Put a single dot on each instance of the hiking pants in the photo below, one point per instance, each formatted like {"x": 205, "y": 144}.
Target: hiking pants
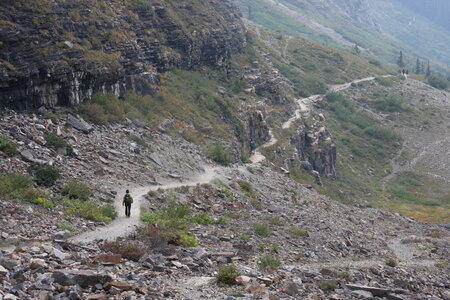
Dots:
{"x": 127, "y": 209}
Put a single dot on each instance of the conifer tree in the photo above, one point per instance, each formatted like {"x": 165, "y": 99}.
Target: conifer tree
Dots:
{"x": 428, "y": 70}
{"x": 418, "y": 66}
{"x": 400, "y": 61}
{"x": 422, "y": 68}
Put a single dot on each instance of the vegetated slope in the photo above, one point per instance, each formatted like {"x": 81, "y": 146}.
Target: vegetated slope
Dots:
{"x": 61, "y": 52}
{"x": 416, "y": 183}
{"x": 382, "y": 28}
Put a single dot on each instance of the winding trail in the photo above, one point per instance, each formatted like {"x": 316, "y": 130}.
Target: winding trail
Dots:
{"x": 123, "y": 226}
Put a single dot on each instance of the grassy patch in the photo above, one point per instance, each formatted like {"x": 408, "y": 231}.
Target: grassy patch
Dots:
{"x": 175, "y": 219}
{"x": 261, "y": 229}
{"x": 269, "y": 263}
{"x": 227, "y": 275}
{"x": 56, "y": 142}
{"x": 219, "y": 154}
{"x": 76, "y": 189}
{"x": 90, "y": 210}
{"x": 126, "y": 249}
{"x": 7, "y": 147}
{"x": 246, "y": 188}
{"x": 296, "y": 232}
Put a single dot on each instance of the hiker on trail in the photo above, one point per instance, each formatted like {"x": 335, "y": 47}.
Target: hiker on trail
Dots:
{"x": 252, "y": 147}
{"x": 127, "y": 200}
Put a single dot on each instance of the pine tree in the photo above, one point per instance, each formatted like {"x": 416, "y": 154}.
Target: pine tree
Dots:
{"x": 418, "y": 66}
{"x": 422, "y": 69}
{"x": 400, "y": 61}
{"x": 428, "y": 70}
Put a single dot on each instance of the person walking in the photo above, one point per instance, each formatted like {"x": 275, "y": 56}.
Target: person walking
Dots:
{"x": 127, "y": 201}
{"x": 252, "y": 147}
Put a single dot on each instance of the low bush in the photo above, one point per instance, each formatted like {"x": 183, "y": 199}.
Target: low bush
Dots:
{"x": 391, "y": 262}
{"x": 88, "y": 210}
{"x": 391, "y": 103}
{"x": 45, "y": 175}
{"x": 261, "y": 229}
{"x": 56, "y": 142}
{"x": 382, "y": 133}
{"x": 385, "y": 81}
{"x": 174, "y": 220}
{"x": 227, "y": 275}
{"x": 219, "y": 154}
{"x": 327, "y": 285}
{"x": 128, "y": 250}
{"x": 269, "y": 263}
{"x": 7, "y": 147}
{"x": 75, "y": 189}
{"x": 438, "y": 82}
{"x": 103, "y": 108}
{"x": 246, "y": 188}
{"x": 296, "y": 232}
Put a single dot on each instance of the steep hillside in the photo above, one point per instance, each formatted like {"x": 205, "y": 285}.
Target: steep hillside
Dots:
{"x": 381, "y": 28}
{"x": 61, "y": 52}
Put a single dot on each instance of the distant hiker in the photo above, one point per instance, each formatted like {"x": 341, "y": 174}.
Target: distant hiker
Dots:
{"x": 252, "y": 147}
{"x": 127, "y": 200}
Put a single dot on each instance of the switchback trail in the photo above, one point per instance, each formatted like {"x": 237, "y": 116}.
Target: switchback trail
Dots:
{"x": 122, "y": 225}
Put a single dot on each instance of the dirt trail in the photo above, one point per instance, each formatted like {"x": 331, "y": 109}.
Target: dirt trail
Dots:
{"x": 123, "y": 225}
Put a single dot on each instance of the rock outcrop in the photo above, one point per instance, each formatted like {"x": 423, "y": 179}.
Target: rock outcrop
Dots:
{"x": 61, "y": 52}
{"x": 316, "y": 147}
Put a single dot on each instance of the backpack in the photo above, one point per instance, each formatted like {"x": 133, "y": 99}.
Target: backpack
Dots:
{"x": 128, "y": 199}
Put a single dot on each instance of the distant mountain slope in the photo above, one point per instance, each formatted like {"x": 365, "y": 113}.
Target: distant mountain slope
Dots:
{"x": 437, "y": 11}
{"x": 382, "y": 27}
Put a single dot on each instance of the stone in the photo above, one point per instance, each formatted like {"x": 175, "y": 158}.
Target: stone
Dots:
{"x": 257, "y": 290}
{"x": 306, "y": 165}
{"x": 84, "y": 278}
{"x": 221, "y": 90}
{"x": 3, "y": 271}
{"x": 42, "y": 110}
{"x": 155, "y": 158}
{"x": 243, "y": 280}
{"x": 59, "y": 254}
{"x": 27, "y": 155}
{"x": 96, "y": 297}
{"x": 291, "y": 288}
{"x": 379, "y": 292}
{"x": 109, "y": 258}
{"x": 362, "y": 294}
{"x": 122, "y": 286}
{"x": 78, "y": 123}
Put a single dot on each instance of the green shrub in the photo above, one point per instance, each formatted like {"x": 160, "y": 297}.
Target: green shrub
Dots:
{"x": 246, "y": 188}
{"x": 327, "y": 285}
{"x": 66, "y": 226}
{"x": 128, "y": 250}
{"x": 276, "y": 220}
{"x": 45, "y": 175}
{"x": 75, "y": 189}
{"x": 391, "y": 262}
{"x": 109, "y": 211}
{"x": 43, "y": 202}
{"x": 203, "y": 218}
{"x": 385, "y": 81}
{"x": 392, "y": 103}
{"x": 103, "y": 108}
{"x": 382, "y": 133}
{"x": 56, "y": 142}
{"x": 261, "y": 229}
{"x": 438, "y": 82}
{"x": 14, "y": 182}
{"x": 174, "y": 221}
{"x": 227, "y": 275}
{"x": 7, "y": 147}
{"x": 219, "y": 154}
{"x": 269, "y": 263}
{"x": 296, "y": 232}
{"x": 88, "y": 210}
{"x": 374, "y": 62}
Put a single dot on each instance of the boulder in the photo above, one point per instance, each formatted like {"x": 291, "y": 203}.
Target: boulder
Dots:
{"x": 84, "y": 278}
{"x": 78, "y": 123}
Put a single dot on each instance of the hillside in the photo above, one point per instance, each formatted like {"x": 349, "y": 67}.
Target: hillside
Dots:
{"x": 345, "y": 196}
{"x": 380, "y": 28}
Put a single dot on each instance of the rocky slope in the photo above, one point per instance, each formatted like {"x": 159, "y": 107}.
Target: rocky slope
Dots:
{"x": 60, "y": 53}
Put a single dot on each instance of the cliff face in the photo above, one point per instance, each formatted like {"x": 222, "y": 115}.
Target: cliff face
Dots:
{"x": 61, "y": 52}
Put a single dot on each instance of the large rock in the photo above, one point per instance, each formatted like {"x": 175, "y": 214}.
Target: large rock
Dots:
{"x": 84, "y": 278}
{"x": 78, "y": 123}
